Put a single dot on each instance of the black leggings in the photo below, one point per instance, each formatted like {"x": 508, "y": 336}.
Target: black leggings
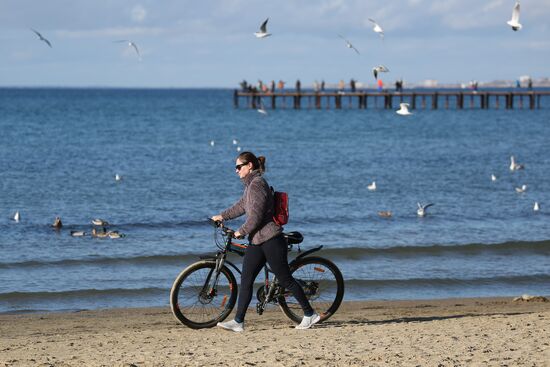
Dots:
{"x": 274, "y": 251}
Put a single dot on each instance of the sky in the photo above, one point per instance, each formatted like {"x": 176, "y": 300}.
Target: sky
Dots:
{"x": 190, "y": 43}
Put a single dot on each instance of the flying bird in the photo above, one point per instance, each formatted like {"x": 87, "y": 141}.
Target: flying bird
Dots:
{"x": 421, "y": 211}
{"x": 372, "y": 186}
{"x": 379, "y": 69}
{"x": 349, "y": 45}
{"x": 403, "y": 109}
{"x": 376, "y": 28}
{"x": 131, "y": 44}
{"x": 515, "y": 166}
{"x": 514, "y": 22}
{"x": 263, "y": 30}
{"x": 41, "y": 38}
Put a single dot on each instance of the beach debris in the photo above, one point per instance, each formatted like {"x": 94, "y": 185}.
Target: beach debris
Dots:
{"x": 376, "y": 28}
{"x": 522, "y": 189}
{"x": 17, "y": 217}
{"x": 536, "y": 207}
{"x": 41, "y": 38}
{"x": 493, "y": 177}
{"x": 262, "y": 33}
{"x": 515, "y": 166}
{"x": 372, "y": 186}
{"x": 514, "y": 22}
{"x": 57, "y": 224}
{"x": 131, "y": 44}
{"x": 385, "y": 213}
{"x": 100, "y": 222}
{"x": 379, "y": 69}
{"x": 78, "y": 233}
{"x": 421, "y": 211}
{"x": 529, "y": 298}
{"x": 349, "y": 45}
{"x": 403, "y": 109}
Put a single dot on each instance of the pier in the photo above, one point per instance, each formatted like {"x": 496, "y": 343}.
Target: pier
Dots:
{"x": 371, "y": 99}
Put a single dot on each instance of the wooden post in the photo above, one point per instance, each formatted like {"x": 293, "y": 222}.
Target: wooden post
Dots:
{"x": 434, "y": 100}
{"x": 317, "y": 101}
{"x": 413, "y": 97}
{"x": 236, "y": 99}
{"x": 460, "y": 101}
{"x": 273, "y": 101}
{"x": 338, "y": 101}
{"x": 532, "y": 101}
{"x": 253, "y": 100}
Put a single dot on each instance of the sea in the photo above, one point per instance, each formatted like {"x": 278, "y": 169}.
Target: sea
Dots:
{"x": 175, "y": 152}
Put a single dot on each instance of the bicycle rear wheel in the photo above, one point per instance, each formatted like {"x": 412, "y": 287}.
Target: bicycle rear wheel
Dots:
{"x": 323, "y": 285}
{"x": 198, "y": 300}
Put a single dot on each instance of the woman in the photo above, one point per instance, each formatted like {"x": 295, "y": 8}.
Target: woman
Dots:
{"x": 266, "y": 241}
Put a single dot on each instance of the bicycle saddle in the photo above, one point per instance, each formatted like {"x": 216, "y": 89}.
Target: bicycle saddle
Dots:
{"x": 293, "y": 238}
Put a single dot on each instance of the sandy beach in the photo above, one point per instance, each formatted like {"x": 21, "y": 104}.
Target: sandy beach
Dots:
{"x": 452, "y": 332}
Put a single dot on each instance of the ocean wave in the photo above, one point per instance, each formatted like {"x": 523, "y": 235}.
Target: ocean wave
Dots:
{"x": 350, "y": 253}
{"x": 79, "y": 294}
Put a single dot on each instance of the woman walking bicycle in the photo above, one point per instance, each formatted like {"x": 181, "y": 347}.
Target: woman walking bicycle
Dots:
{"x": 267, "y": 243}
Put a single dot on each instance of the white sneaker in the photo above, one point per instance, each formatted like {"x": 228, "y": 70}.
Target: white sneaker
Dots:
{"x": 232, "y": 325}
{"x": 309, "y": 321}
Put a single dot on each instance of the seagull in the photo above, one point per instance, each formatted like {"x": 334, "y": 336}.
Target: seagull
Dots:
{"x": 212, "y": 143}
{"x": 385, "y": 213}
{"x": 235, "y": 142}
{"x": 349, "y": 45}
{"x": 100, "y": 222}
{"x": 521, "y": 190}
{"x": 131, "y": 44}
{"x": 536, "y": 207}
{"x": 421, "y": 211}
{"x": 515, "y": 166}
{"x": 372, "y": 186}
{"x": 41, "y": 38}
{"x": 493, "y": 177}
{"x": 379, "y": 69}
{"x": 238, "y": 149}
{"x": 377, "y": 28}
{"x": 118, "y": 177}
{"x": 262, "y": 109}
{"x": 263, "y": 30}
{"x": 403, "y": 109}
{"x": 57, "y": 223}
{"x": 17, "y": 217}
{"x": 514, "y": 22}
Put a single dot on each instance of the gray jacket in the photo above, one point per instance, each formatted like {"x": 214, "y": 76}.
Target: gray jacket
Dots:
{"x": 257, "y": 204}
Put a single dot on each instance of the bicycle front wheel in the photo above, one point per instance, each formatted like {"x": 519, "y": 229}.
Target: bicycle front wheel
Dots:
{"x": 322, "y": 283}
{"x": 200, "y": 298}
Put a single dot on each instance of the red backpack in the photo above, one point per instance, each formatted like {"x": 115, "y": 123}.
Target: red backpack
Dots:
{"x": 280, "y": 207}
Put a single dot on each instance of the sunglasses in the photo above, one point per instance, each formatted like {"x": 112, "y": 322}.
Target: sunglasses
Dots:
{"x": 239, "y": 166}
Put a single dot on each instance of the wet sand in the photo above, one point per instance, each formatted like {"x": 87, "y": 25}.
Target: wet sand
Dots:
{"x": 452, "y": 332}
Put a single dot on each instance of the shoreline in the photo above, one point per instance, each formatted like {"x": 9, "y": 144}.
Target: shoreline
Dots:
{"x": 455, "y": 331}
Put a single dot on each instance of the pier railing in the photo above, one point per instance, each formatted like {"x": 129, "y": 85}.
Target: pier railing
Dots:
{"x": 369, "y": 99}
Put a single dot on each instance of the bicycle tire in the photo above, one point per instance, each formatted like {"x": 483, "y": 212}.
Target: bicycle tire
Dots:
{"x": 196, "y": 309}
{"x": 323, "y": 284}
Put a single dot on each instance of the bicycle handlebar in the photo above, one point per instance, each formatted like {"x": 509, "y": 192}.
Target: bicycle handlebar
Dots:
{"x": 226, "y": 230}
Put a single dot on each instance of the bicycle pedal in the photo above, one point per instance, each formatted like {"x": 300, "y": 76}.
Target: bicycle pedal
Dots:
{"x": 259, "y": 308}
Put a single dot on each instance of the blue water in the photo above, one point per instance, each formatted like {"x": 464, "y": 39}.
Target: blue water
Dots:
{"x": 61, "y": 148}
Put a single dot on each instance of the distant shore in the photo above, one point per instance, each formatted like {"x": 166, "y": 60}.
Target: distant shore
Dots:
{"x": 461, "y": 331}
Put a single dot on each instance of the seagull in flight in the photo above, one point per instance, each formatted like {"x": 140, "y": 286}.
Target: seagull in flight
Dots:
{"x": 41, "y": 38}
{"x": 514, "y": 166}
{"x": 404, "y": 109}
{"x": 349, "y": 45}
{"x": 379, "y": 69}
{"x": 421, "y": 211}
{"x": 377, "y": 28}
{"x": 263, "y": 30}
{"x": 514, "y": 22}
{"x": 131, "y": 44}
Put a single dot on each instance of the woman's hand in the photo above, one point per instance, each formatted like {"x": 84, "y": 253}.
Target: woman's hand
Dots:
{"x": 238, "y": 235}
{"x": 217, "y": 218}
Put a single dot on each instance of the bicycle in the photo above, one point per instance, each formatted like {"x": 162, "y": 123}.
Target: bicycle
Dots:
{"x": 205, "y": 292}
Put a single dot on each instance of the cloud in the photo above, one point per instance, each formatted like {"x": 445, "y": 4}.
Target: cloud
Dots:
{"x": 138, "y": 13}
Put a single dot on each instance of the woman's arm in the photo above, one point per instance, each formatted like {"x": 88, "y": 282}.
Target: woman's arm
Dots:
{"x": 236, "y": 210}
